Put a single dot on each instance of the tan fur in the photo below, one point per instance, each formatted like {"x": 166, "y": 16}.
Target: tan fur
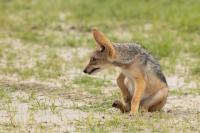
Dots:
{"x": 145, "y": 87}
{"x": 124, "y": 90}
{"x": 138, "y": 82}
{"x": 102, "y": 40}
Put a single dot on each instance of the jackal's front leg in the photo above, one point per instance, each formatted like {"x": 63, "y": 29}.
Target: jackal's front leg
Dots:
{"x": 140, "y": 86}
{"x": 125, "y": 94}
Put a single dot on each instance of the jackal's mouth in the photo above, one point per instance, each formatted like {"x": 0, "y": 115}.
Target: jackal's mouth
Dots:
{"x": 93, "y": 70}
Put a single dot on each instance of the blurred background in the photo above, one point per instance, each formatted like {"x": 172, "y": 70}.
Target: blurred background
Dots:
{"x": 45, "y": 44}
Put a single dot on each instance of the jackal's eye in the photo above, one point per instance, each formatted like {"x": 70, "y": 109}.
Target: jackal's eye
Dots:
{"x": 102, "y": 49}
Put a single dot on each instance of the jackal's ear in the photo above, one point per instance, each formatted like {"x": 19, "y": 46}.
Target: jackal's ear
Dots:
{"x": 104, "y": 42}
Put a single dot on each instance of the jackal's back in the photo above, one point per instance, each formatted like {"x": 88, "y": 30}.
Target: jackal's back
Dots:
{"x": 129, "y": 53}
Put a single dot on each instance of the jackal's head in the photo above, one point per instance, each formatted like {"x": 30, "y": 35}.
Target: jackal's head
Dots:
{"x": 103, "y": 55}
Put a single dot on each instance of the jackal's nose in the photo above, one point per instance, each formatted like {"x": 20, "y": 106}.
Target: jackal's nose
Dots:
{"x": 85, "y": 71}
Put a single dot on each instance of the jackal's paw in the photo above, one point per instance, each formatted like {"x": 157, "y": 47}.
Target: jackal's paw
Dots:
{"x": 133, "y": 113}
{"x": 116, "y": 104}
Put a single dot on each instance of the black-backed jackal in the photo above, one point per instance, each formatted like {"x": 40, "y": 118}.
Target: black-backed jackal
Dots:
{"x": 141, "y": 80}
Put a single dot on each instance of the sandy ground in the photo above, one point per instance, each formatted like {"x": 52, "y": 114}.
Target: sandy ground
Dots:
{"x": 28, "y": 112}
{"x": 19, "y": 112}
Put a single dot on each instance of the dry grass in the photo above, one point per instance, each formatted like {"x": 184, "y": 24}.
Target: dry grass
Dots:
{"x": 43, "y": 89}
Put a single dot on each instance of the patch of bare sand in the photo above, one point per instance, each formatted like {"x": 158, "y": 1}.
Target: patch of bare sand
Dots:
{"x": 176, "y": 82}
{"x": 69, "y": 53}
{"x": 184, "y": 109}
{"x": 13, "y": 42}
{"x": 22, "y": 114}
{"x": 183, "y": 105}
{"x": 71, "y": 114}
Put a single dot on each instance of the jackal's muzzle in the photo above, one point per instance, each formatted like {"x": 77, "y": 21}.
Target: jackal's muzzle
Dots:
{"x": 90, "y": 70}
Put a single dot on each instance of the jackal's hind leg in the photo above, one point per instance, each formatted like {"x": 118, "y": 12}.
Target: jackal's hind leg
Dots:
{"x": 156, "y": 101}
